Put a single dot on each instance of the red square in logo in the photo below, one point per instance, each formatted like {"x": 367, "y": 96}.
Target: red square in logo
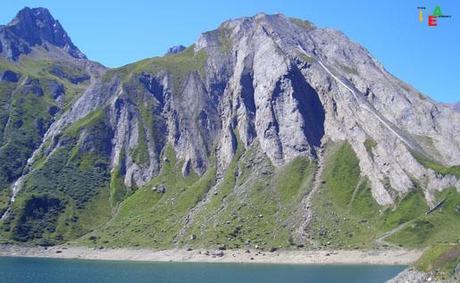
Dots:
{"x": 432, "y": 21}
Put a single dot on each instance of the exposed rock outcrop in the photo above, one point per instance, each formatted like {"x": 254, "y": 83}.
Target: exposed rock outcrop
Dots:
{"x": 287, "y": 85}
{"x": 215, "y": 124}
{"x": 31, "y": 28}
{"x": 175, "y": 49}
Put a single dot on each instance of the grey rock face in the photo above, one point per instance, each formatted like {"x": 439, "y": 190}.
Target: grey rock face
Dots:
{"x": 414, "y": 276}
{"x": 391, "y": 113}
{"x": 175, "y": 49}
{"x": 309, "y": 85}
{"x": 456, "y": 106}
{"x": 409, "y": 275}
{"x": 282, "y": 85}
{"x": 57, "y": 89}
{"x": 34, "y": 27}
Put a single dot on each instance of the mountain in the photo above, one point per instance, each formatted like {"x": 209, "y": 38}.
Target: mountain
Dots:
{"x": 453, "y": 106}
{"x": 32, "y": 29}
{"x": 456, "y": 106}
{"x": 265, "y": 124}
{"x": 41, "y": 75}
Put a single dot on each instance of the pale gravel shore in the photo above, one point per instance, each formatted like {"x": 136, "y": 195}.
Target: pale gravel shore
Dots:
{"x": 387, "y": 257}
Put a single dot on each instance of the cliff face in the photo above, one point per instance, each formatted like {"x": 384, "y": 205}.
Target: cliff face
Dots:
{"x": 33, "y": 28}
{"x": 234, "y": 129}
{"x": 290, "y": 87}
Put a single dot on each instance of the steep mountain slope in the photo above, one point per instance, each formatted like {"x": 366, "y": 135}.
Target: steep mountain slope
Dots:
{"x": 267, "y": 132}
{"x": 41, "y": 74}
{"x": 32, "y": 28}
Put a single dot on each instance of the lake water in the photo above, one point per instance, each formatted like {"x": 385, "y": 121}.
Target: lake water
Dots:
{"x": 62, "y": 270}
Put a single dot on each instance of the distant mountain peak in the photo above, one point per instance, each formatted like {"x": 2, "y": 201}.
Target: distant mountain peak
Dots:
{"x": 175, "y": 49}
{"x": 27, "y": 14}
{"x": 32, "y": 27}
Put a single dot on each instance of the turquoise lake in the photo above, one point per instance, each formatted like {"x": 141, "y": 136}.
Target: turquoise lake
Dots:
{"x": 16, "y": 269}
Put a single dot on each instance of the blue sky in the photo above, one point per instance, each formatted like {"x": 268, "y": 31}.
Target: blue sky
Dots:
{"x": 120, "y": 32}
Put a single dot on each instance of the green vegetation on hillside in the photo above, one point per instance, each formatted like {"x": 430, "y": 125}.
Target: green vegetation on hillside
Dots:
{"x": 73, "y": 78}
{"x": 435, "y": 166}
{"x": 39, "y": 215}
{"x": 302, "y": 23}
{"x": 4, "y": 199}
{"x": 347, "y": 215}
{"x": 439, "y": 227}
{"x": 89, "y": 120}
{"x": 245, "y": 209}
{"x": 225, "y": 39}
{"x": 73, "y": 74}
{"x": 369, "y": 144}
{"x": 141, "y": 154}
{"x": 209, "y": 210}
{"x": 304, "y": 57}
{"x": 441, "y": 260}
{"x": 118, "y": 189}
{"x": 69, "y": 191}
{"x": 409, "y": 207}
{"x": 27, "y": 108}
{"x": 25, "y": 117}
{"x": 249, "y": 206}
{"x": 344, "y": 209}
{"x": 152, "y": 218}
{"x": 179, "y": 66}
{"x": 349, "y": 70}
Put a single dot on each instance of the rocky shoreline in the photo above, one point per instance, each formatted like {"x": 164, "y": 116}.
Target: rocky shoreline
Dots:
{"x": 386, "y": 257}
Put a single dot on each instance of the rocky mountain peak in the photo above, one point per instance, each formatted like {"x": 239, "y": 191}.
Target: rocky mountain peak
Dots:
{"x": 175, "y": 49}
{"x": 35, "y": 27}
{"x": 330, "y": 89}
{"x": 456, "y": 106}
{"x": 31, "y": 16}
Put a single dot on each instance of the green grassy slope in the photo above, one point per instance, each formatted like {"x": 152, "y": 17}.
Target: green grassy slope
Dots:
{"x": 67, "y": 195}
{"x": 150, "y": 218}
{"x": 247, "y": 210}
{"x": 347, "y": 216}
{"x": 27, "y": 108}
{"x": 178, "y": 66}
{"x": 253, "y": 209}
{"x": 344, "y": 209}
{"x": 435, "y": 166}
{"x": 441, "y": 260}
{"x": 440, "y": 227}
